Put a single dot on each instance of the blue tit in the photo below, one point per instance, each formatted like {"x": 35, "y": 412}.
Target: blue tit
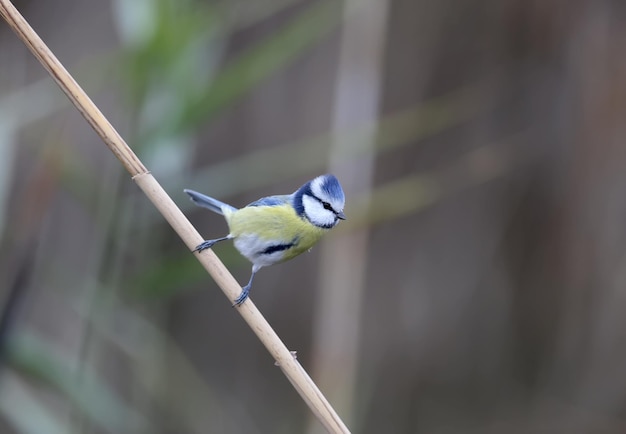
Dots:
{"x": 275, "y": 229}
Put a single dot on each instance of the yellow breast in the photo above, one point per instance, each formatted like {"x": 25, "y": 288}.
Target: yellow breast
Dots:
{"x": 278, "y": 224}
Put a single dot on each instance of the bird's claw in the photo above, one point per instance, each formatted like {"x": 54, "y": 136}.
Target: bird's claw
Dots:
{"x": 243, "y": 296}
{"x": 204, "y": 245}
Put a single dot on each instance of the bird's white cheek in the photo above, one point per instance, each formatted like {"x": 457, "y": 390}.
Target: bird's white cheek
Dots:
{"x": 316, "y": 213}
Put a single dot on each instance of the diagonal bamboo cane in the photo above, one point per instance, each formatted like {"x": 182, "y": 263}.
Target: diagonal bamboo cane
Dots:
{"x": 190, "y": 236}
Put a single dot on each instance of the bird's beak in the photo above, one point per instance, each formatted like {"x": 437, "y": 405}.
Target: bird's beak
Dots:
{"x": 341, "y": 215}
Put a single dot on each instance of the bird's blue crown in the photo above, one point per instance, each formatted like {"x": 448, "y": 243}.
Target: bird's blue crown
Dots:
{"x": 324, "y": 189}
{"x": 329, "y": 184}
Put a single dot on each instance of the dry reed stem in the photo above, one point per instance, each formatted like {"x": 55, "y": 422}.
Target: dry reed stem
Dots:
{"x": 343, "y": 267}
{"x": 148, "y": 184}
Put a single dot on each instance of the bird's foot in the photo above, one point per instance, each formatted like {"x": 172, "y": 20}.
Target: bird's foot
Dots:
{"x": 243, "y": 296}
{"x": 204, "y": 245}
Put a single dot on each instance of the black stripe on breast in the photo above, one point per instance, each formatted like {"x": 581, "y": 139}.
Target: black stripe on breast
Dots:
{"x": 279, "y": 247}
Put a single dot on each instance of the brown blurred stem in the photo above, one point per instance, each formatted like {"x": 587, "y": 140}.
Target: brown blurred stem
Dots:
{"x": 290, "y": 366}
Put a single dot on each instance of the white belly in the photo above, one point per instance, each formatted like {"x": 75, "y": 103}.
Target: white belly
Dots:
{"x": 251, "y": 247}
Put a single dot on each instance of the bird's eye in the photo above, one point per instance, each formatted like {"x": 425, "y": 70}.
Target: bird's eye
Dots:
{"x": 327, "y": 206}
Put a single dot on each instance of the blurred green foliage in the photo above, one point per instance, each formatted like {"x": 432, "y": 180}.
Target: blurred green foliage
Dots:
{"x": 179, "y": 66}
{"x": 174, "y": 79}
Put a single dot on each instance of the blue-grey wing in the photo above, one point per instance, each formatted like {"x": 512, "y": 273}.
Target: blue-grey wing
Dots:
{"x": 272, "y": 200}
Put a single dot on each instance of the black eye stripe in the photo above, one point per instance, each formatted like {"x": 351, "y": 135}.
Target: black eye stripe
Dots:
{"x": 324, "y": 204}
{"x": 316, "y": 198}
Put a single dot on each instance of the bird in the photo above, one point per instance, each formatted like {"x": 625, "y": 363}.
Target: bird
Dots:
{"x": 277, "y": 228}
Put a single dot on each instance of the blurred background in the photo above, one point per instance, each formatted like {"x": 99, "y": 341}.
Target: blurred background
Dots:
{"x": 478, "y": 285}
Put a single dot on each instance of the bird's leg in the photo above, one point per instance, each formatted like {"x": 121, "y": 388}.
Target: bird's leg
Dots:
{"x": 209, "y": 243}
{"x": 246, "y": 289}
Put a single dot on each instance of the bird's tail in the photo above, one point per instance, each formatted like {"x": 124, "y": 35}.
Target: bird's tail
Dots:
{"x": 209, "y": 203}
